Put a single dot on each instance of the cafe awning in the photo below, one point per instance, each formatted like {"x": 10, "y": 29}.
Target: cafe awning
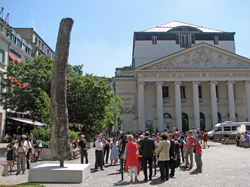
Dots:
{"x": 27, "y": 121}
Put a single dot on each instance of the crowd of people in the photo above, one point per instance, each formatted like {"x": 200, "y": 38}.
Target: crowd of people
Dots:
{"x": 170, "y": 149}
{"x": 19, "y": 150}
{"x": 242, "y": 137}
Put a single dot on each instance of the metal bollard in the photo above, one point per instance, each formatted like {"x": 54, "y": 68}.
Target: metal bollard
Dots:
{"x": 154, "y": 157}
{"x": 121, "y": 166}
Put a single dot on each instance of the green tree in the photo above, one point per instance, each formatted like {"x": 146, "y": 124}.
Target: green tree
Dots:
{"x": 26, "y": 82}
{"x": 89, "y": 98}
{"x": 112, "y": 112}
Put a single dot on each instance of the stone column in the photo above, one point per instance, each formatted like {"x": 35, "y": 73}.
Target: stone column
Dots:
{"x": 141, "y": 106}
{"x": 213, "y": 102}
{"x": 178, "y": 105}
{"x": 6, "y": 58}
{"x": 247, "y": 88}
{"x": 196, "y": 104}
{"x": 231, "y": 100}
{"x": 159, "y": 106}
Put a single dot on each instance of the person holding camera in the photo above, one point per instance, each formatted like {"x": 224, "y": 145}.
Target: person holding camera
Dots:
{"x": 99, "y": 152}
{"x": 22, "y": 151}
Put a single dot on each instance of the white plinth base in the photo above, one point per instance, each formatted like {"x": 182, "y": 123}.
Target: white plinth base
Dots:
{"x": 70, "y": 173}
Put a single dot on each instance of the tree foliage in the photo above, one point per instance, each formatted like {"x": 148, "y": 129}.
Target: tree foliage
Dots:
{"x": 26, "y": 82}
{"x": 89, "y": 98}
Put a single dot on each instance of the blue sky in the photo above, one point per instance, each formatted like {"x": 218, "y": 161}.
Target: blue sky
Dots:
{"x": 102, "y": 35}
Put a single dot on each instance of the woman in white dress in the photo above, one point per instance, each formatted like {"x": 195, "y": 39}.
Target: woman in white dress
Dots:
{"x": 114, "y": 156}
{"x": 157, "y": 143}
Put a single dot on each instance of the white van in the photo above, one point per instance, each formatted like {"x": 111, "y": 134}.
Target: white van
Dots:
{"x": 228, "y": 127}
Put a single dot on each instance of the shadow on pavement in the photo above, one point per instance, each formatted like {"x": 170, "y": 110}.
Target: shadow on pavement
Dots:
{"x": 194, "y": 172}
{"x": 122, "y": 183}
{"x": 114, "y": 173}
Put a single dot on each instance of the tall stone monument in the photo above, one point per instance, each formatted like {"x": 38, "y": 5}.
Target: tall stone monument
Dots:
{"x": 60, "y": 138}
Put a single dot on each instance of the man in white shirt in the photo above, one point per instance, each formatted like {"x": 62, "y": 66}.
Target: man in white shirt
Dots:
{"x": 99, "y": 152}
{"x": 22, "y": 150}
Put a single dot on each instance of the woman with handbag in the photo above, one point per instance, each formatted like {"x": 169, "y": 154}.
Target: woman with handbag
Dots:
{"x": 10, "y": 154}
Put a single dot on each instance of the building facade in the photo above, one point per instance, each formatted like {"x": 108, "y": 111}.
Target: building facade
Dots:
{"x": 183, "y": 76}
{"x": 39, "y": 46}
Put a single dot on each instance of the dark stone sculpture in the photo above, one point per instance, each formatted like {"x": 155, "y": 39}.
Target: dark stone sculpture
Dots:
{"x": 60, "y": 138}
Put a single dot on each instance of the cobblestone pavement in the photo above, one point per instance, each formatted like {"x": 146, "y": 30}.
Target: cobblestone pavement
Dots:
{"x": 223, "y": 165}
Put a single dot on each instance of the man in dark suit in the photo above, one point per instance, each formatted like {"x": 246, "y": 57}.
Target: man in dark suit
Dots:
{"x": 147, "y": 149}
{"x": 172, "y": 155}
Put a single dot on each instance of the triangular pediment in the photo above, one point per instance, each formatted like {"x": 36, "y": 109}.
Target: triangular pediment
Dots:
{"x": 201, "y": 56}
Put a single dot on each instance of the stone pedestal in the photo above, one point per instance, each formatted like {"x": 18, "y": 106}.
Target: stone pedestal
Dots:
{"x": 52, "y": 173}
{"x": 3, "y": 170}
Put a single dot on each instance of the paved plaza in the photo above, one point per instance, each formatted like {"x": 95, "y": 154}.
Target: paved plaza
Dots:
{"x": 223, "y": 165}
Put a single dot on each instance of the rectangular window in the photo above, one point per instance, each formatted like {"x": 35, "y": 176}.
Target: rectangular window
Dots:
{"x": 18, "y": 43}
{"x": 165, "y": 92}
{"x": 1, "y": 55}
{"x": 193, "y": 38}
{"x": 177, "y": 39}
{"x": 216, "y": 40}
{"x": 24, "y": 47}
{"x": 12, "y": 37}
{"x": 42, "y": 46}
{"x": 39, "y": 44}
{"x": 184, "y": 40}
{"x": 234, "y": 128}
{"x": 217, "y": 93}
{"x": 200, "y": 92}
{"x": 154, "y": 40}
{"x": 47, "y": 51}
{"x": 227, "y": 128}
{"x": 219, "y": 129}
{"x": 183, "y": 92}
{"x": 29, "y": 51}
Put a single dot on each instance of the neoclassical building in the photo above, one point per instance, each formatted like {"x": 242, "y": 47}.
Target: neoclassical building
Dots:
{"x": 183, "y": 75}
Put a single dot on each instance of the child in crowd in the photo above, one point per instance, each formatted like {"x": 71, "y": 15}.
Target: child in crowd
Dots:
{"x": 198, "y": 159}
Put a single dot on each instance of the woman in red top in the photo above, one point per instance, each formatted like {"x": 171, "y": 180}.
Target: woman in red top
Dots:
{"x": 198, "y": 155}
{"x": 132, "y": 160}
{"x": 205, "y": 134}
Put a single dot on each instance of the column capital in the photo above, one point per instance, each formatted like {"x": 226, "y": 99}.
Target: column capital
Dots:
{"x": 159, "y": 82}
{"x": 141, "y": 82}
{"x": 230, "y": 82}
{"x": 212, "y": 82}
{"x": 195, "y": 82}
{"x": 177, "y": 82}
{"x": 247, "y": 82}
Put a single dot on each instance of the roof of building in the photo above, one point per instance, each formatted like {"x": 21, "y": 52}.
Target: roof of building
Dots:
{"x": 167, "y": 26}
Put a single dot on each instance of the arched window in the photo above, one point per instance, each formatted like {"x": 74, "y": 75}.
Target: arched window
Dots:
{"x": 167, "y": 115}
{"x": 219, "y": 118}
{"x": 202, "y": 121}
{"x": 185, "y": 123}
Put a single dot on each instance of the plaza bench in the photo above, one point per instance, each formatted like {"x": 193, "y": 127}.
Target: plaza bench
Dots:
{"x": 230, "y": 142}
{"x": 4, "y": 169}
